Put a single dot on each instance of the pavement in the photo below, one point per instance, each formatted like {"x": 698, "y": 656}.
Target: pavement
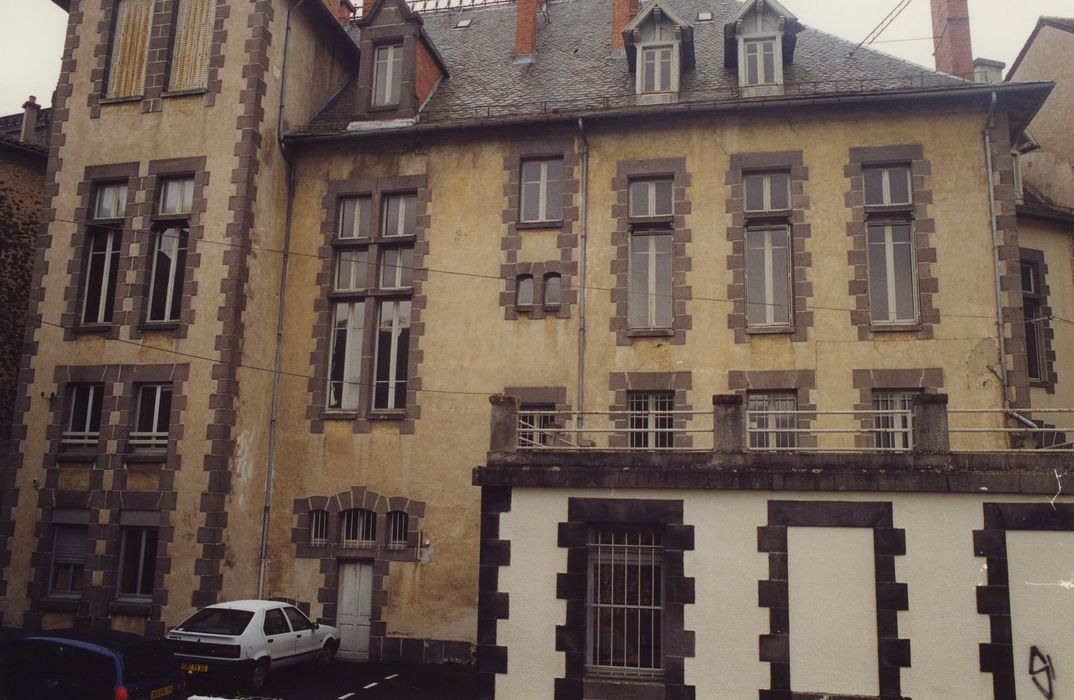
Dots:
{"x": 355, "y": 680}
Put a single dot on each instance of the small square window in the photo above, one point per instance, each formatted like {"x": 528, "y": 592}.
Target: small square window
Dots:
{"x": 651, "y": 198}
{"x": 770, "y": 191}
{"x": 358, "y": 528}
{"x": 887, "y": 185}
{"x": 177, "y": 196}
{"x": 111, "y": 201}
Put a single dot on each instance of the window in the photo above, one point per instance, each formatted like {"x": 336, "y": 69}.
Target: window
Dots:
{"x": 383, "y": 289}
{"x": 535, "y": 424}
{"x": 890, "y": 244}
{"x": 387, "y": 74}
{"x": 772, "y": 420}
{"x": 553, "y": 290}
{"x": 83, "y": 426}
{"x": 190, "y": 48}
{"x": 130, "y": 46}
{"x": 651, "y": 419}
{"x": 768, "y": 276}
{"x": 318, "y": 528}
{"x": 1033, "y": 308}
{"x": 625, "y": 604}
{"x": 275, "y": 623}
{"x": 893, "y": 422}
{"x": 358, "y": 528}
{"x": 152, "y": 417}
{"x": 68, "y": 559}
{"x": 650, "y": 198}
{"x": 761, "y": 65}
{"x": 397, "y": 528}
{"x": 650, "y": 267}
{"x": 524, "y": 290}
{"x": 137, "y": 561}
{"x": 657, "y": 69}
{"x": 542, "y": 190}
{"x": 102, "y": 262}
{"x": 765, "y": 192}
{"x": 168, "y": 258}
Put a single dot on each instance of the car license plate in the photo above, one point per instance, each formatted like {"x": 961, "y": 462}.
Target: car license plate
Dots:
{"x": 192, "y": 668}
{"x": 160, "y": 692}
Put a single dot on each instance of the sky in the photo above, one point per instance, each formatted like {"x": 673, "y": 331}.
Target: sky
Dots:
{"x": 32, "y": 33}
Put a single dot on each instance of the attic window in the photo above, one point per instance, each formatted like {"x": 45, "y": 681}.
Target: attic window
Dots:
{"x": 760, "y": 62}
{"x": 387, "y": 74}
{"x": 464, "y": 23}
{"x": 704, "y": 16}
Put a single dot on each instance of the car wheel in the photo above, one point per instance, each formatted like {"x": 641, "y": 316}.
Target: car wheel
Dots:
{"x": 259, "y": 675}
{"x": 327, "y": 655}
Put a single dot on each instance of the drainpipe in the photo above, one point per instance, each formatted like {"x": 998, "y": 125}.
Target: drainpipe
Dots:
{"x": 280, "y": 309}
{"x": 1000, "y": 324}
{"x": 579, "y": 420}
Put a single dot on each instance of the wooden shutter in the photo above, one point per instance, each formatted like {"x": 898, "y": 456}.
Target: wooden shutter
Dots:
{"x": 130, "y": 44}
{"x": 193, "y": 38}
{"x": 70, "y": 544}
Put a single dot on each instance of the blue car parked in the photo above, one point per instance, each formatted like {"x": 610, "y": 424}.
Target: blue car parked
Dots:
{"x": 90, "y": 665}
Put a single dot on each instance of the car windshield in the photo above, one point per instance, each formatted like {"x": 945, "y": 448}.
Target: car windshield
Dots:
{"x": 147, "y": 661}
{"x": 217, "y": 621}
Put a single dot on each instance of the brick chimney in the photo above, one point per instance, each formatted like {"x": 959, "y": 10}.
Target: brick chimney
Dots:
{"x": 367, "y": 7}
{"x": 342, "y": 9}
{"x": 525, "y": 29}
{"x": 622, "y": 12}
{"x": 951, "y": 38}
{"x": 30, "y": 108}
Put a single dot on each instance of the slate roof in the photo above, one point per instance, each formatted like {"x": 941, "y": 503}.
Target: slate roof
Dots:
{"x": 576, "y": 71}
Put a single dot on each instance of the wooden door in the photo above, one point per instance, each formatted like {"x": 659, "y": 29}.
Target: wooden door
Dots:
{"x": 355, "y": 608}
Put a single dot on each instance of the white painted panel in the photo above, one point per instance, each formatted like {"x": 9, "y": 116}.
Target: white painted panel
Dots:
{"x": 355, "y": 608}
{"x": 832, "y": 598}
{"x": 1040, "y": 568}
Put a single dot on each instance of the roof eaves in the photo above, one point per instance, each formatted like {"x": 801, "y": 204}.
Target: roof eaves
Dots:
{"x": 23, "y": 147}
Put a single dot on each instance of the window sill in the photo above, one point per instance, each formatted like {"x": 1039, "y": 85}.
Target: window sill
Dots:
{"x": 58, "y": 603}
{"x": 760, "y": 90}
{"x": 151, "y": 326}
{"x": 634, "y": 688}
{"x": 904, "y": 209}
{"x": 382, "y": 414}
{"x": 329, "y": 414}
{"x": 92, "y": 328}
{"x": 895, "y": 328}
{"x": 185, "y": 93}
{"x": 531, "y": 225}
{"x": 773, "y": 330}
{"x": 657, "y": 98}
{"x": 650, "y": 333}
{"x": 140, "y": 607}
{"x": 120, "y": 100}
{"x": 145, "y": 457}
{"x": 81, "y": 457}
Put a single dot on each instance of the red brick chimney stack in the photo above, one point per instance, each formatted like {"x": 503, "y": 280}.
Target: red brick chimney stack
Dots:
{"x": 951, "y": 37}
{"x": 525, "y": 28}
{"x": 30, "y": 108}
{"x": 367, "y": 7}
{"x": 622, "y": 12}
{"x": 342, "y": 9}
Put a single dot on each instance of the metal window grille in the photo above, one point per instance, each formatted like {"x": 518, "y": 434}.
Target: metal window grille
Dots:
{"x": 625, "y": 620}
{"x": 768, "y": 427}
{"x": 358, "y": 528}
{"x": 650, "y": 419}
{"x": 318, "y": 528}
{"x": 83, "y": 429}
{"x": 892, "y": 429}
{"x": 151, "y": 423}
{"x": 535, "y": 425}
{"x": 397, "y": 529}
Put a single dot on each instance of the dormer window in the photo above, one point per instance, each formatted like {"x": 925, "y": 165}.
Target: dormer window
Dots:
{"x": 657, "y": 70}
{"x": 761, "y": 66}
{"x": 659, "y": 46}
{"x": 758, "y": 40}
{"x": 387, "y": 75}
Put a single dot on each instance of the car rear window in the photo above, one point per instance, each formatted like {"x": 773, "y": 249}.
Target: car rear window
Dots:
{"x": 146, "y": 661}
{"x": 217, "y": 621}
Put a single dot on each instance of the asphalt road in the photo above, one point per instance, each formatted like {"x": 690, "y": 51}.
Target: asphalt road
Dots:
{"x": 349, "y": 680}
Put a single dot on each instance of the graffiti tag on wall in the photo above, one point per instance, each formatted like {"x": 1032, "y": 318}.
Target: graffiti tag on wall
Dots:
{"x": 1042, "y": 672}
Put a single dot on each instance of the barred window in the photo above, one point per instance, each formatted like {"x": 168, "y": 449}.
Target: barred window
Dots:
{"x": 535, "y": 423}
{"x": 892, "y": 427}
{"x": 358, "y": 528}
{"x": 318, "y": 528}
{"x": 625, "y": 620}
{"x": 397, "y": 529}
{"x": 768, "y": 426}
{"x": 651, "y": 420}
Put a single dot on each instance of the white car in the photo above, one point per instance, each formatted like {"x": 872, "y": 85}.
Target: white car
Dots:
{"x": 245, "y": 639}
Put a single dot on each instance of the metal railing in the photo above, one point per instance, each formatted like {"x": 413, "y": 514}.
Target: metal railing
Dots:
{"x": 876, "y": 431}
{"x": 75, "y": 440}
{"x": 148, "y": 441}
{"x": 1019, "y": 430}
{"x": 669, "y": 430}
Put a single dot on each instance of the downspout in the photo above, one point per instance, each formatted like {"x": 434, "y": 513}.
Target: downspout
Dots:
{"x": 1000, "y": 325}
{"x": 274, "y": 414}
{"x": 580, "y": 408}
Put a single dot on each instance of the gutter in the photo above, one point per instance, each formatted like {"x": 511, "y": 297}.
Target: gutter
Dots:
{"x": 583, "y": 240}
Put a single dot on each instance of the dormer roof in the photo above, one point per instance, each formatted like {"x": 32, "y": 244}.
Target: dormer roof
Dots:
{"x": 408, "y": 15}
{"x": 655, "y": 11}
{"x": 789, "y": 24}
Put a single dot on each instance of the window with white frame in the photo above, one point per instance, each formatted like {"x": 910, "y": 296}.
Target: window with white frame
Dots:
{"x": 152, "y": 418}
{"x": 102, "y": 257}
{"x": 761, "y": 62}
{"x": 1034, "y": 302}
{"x": 371, "y": 302}
{"x": 657, "y": 69}
{"x": 137, "y": 561}
{"x": 768, "y": 275}
{"x": 890, "y": 245}
{"x": 358, "y": 528}
{"x": 387, "y": 74}
{"x": 68, "y": 560}
{"x": 772, "y": 420}
{"x": 541, "y": 190}
{"x": 318, "y": 527}
{"x": 767, "y": 191}
{"x": 397, "y": 523}
{"x": 82, "y": 429}
{"x": 171, "y": 231}
{"x": 651, "y": 198}
{"x": 625, "y": 602}
{"x": 650, "y": 419}
{"x": 535, "y": 424}
{"x": 893, "y": 420}
{"x": 649, "y": 297}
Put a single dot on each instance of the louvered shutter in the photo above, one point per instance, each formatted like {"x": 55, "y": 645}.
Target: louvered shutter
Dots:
{"x": 130, "y": 44}
{"x": 70, "y": 544}
{"x": 193, "y": 38}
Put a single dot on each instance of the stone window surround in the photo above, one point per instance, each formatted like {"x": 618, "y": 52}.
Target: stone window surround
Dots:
{"x": 538, "y": 309}
{"x": 774, "y": 593}
{"x": 566, "y": 240}
{"x": 158, "y": 60}
{"x": 362, "y": 418}
{"x": 802, "y": 382}
{"x": 867, "y": 381}
{"x": 1037, "y": 259}
{"x": 381, "y": 646}
{"x": 622, "y": 384}
{"x": 98, "y": 603}
{"x": 627, "y": 170}
{"x": 801, "y": 259}
{"x": 572, "y": 586}
{"x": 993, "y": 598}
{"x": 922, "y": 227}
